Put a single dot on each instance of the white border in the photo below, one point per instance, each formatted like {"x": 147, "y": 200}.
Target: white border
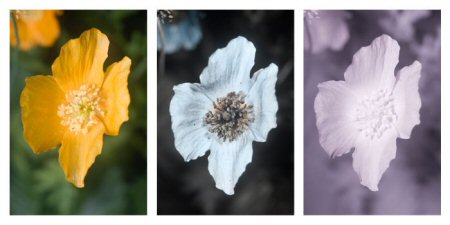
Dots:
{"x": 152, "y": 6}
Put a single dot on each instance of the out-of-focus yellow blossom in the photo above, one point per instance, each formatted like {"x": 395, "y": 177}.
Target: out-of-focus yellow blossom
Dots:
{"x": 35, "y": 28}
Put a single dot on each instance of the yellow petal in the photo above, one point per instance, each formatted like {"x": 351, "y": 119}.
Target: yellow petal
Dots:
{"x": 80, "y": 61}
{"x": 116, "y": 96}
{"x": 39, "y": 102}
{"x": 78, "y": 152}
{"x": 35, "y": 27}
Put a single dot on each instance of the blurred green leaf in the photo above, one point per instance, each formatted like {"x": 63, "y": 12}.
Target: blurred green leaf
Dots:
{"x": 138, "y": 197}
{"x": 108, "y": 198}
{"x": 137, "y": 43}
{"x": 50, "y": 182}
{"x": 23, "y": 199}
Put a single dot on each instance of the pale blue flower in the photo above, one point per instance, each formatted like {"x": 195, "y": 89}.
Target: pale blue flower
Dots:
{"x": 182, "y": 35}
{"x": 370, "y": 109}
{"x": 225, "y": 112}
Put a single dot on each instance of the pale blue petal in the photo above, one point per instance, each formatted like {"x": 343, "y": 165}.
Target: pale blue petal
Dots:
{"x": 228, "y": 161}
{"x": 187, "y": 109}
{"x": 407, "y": 99}
{"x": 229, "y": 68}
{"x": 262, "y": 97}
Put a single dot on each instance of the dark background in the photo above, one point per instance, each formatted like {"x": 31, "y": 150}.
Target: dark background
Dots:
{"x": 117, "y": 182}
{"x": 412, "y": 183}
{"x": 267, "y": 185}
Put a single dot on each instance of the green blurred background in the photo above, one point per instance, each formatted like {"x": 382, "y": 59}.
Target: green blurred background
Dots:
{"x": 117, "y": 181}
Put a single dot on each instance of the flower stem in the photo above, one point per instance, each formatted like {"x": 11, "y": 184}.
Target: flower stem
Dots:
{"x": 308, "y": 35}
{"x": 16, "y": 30}
{"x": 15, "y": 63}
{"x": 162, "y": 55}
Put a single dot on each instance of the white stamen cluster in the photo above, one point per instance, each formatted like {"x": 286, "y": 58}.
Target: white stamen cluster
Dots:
{"x": 230, "y": 117}
{"x": 375, "y": 114}
{"x": 80, "y": 111}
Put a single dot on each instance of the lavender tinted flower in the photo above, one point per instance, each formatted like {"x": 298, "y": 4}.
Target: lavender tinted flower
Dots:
{"x": 325, "y": 29}
{"x": 370, "y": 109}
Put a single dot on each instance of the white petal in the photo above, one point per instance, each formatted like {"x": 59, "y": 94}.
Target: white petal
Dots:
{"x": 371, "y": 158}
{"x": 334, "y": 107}
{"x": 227, "y": 162}
{"x": 329, "y": 30}
{"x": 187, "y": 109}
{"x": 229, "y": 68}
{"x": 373, "y": 66}
{"x": 265, "y": 105}
{"x": 407, "y": 99}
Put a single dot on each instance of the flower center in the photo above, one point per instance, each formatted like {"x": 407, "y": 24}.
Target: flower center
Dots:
{"x": 230, "y": 116}
{"x": 28, "y": 15}
{"x": 80, "y": 111}
{"x": 375, "y": 114}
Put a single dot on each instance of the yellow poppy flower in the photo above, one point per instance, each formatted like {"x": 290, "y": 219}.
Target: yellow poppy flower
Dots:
{"x": 35, "y": 27}
{"x": 77, "y": 105}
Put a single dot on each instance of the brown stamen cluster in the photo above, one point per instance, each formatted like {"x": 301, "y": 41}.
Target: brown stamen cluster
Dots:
{"x": 230, "y": 117}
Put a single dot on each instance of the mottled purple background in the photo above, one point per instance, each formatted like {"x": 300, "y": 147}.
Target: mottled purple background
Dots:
{"x": 412, "y": 183}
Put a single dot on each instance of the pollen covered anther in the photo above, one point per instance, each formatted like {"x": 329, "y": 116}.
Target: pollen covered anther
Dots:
{"x": 230, "y": 116}
{"x": 81, "y": 109}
